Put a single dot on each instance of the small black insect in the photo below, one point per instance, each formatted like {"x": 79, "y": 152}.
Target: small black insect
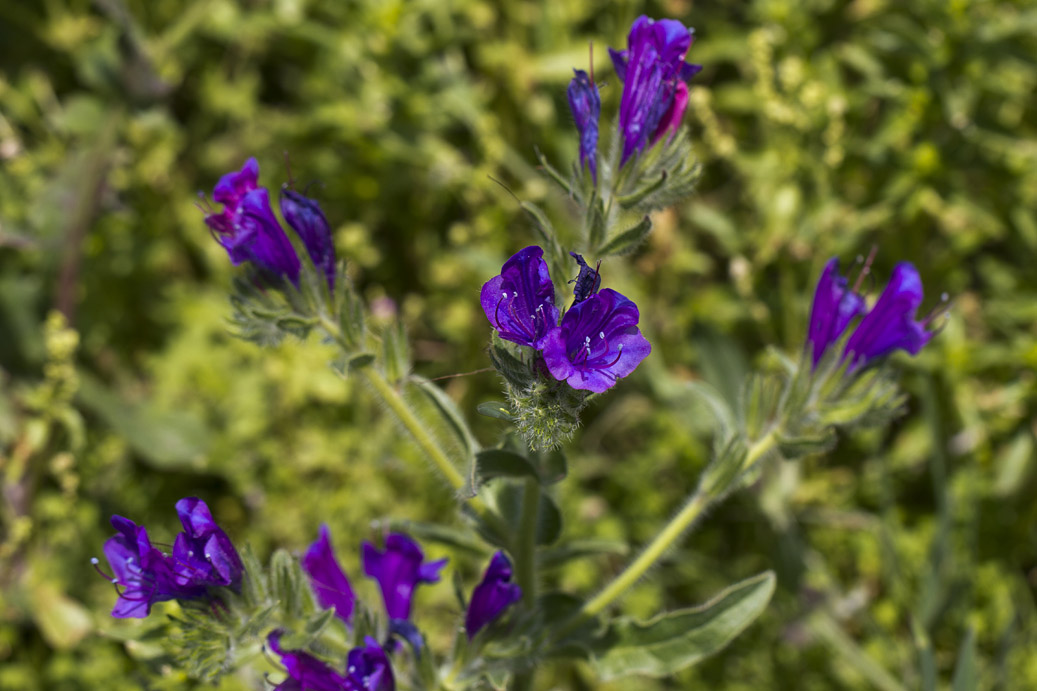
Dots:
{"x": 587, "y": 282}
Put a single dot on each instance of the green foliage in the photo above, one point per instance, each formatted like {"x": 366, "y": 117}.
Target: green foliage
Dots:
{"x": 821, "y": 128}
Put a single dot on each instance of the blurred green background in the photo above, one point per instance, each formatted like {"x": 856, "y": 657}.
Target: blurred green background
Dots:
{"x": 824, "y": 128}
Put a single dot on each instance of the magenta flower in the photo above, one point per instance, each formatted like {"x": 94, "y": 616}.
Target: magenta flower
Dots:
{"x": 399, "y": 570}
{"x": 654, "y": 77}
{"x": 306, "y": 672}
{"x": 597, "y": 343}
{"x": 327, "y": 578}
{"x": 247, "y": 227}
{"x": 520, "y": 301}
{"x": 891, "y": 323}
{"x": 835, "y": 306}
{"x": 585, "y": 104}
{"x": 494, "y": 594}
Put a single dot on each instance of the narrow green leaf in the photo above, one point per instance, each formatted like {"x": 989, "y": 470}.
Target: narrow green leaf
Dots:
{"x": 627, "y": 241}
{"x": 577, "y": 549}
{"x": 807, "y": 442}
{"x": 631, "y": 200}
{"x": 675, "y": 640}
{"x": 966, "y": 676}
{"x": 451, "y": 415}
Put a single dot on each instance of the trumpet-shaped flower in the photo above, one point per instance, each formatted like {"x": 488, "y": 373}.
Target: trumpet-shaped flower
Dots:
{"x": 399, "y": 570}
{"x": 203, "y": 554}
{"x": 306, "y": 672}
{"x": 329, "y": 581}
{"x": 494, "y": 594}
{"x": 891, "y": 323}
{"x": 520, "y": 301}
{"x": 597, "y": 343}
{"x": 368, "y": 668}
{"x": 585, "y": 104}
{"x": 143, "y": 575}
{"x": 835, "y": 306}
{"x": 247, "y": 227}
{"x": 654, "y": 77}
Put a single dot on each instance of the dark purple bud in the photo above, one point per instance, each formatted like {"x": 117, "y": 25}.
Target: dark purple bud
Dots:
{"x": 306, "y": 672}
{"x": 587, "y": 282}
{"x": 203, "y": 554}
{"x": 307, "y": 219}
{"x": 494, "y": 594}
{"x": 247, "y": 227}
{"x": 597, "y": 343}
{"x": 835, "y": 306}
{"x": 585, "y": 104}
{"x": 368, "y": 668}
{"x": 327, "y": 578}
{"x": 520, "y": 302}
{"x": 891, "y": 323}
{"x": 399, "y": 570}
{"x": 653, "y": 73}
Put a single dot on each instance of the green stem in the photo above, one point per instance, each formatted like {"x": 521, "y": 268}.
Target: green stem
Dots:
{"x": 410, "y": 421}
{"x": 669, "y": 535}
{"x": 526, "y": 565}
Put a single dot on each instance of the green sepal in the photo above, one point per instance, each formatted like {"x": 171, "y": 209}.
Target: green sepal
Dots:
{"x": 807, "y": 442}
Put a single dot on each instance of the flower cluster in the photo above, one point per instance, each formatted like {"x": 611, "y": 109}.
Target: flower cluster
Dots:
{"x": 597, "y": 341}
{"x": 889, "y": 325}
{"x": 655, "y": 89}
{"x": 202, "y": 558}
{"x": 398, "y": 568}
{"x": 249, "y": 231}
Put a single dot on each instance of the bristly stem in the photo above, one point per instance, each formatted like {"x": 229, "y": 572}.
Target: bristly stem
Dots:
{"x": 669, "y": 535}
{"x": 526, "y": 563}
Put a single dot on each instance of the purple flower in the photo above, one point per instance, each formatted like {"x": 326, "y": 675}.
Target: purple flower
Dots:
{"x": 368, "y": 668}
{"x": 597, "y": 343}
{"x": 585, "y": 104}
{"x": 398, "y": 570}
{"x": 247, "y": 227}
{"x": 520, "y": 301}
{"x": 142, "y": 574}
{"x": 653, "y": 73}
{"x": 329, "y": 581}
{"x": 835, "y": 306}
{"x": 494, "y": 594}
{"x": 891, "y": 324}
{"x": 307, "y": 219}
{"x": 587, "y": 281}
{"x": 306, "y": 672}
{"x": 203, "y": 555}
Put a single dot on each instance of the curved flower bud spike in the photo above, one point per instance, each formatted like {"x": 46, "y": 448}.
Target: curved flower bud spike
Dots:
{"x": 585, "y": 104}
{"x": 653, "y": 73}
{"x": 597, "y": 343}
{"x": 327, "y": 578}
{"x": 891, "y": 325}
{"x": 520, "y": 301}
{"x": 835, "y": 306}
{"x": 494, "y": 594}
{"x": 399, "y": 570}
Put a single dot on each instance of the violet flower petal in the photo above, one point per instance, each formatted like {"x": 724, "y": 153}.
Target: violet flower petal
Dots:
{"x": 891, "y": 324}
{"x": 399, "y": 569}
{"x": 329, "y": 581}
{"x": 494, "y": 594}
{"x": 520, "y": 301}
{"x": 835, "y": 306}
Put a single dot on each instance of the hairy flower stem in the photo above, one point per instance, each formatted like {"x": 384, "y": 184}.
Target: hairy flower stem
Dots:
{"x": 670, "y": 534}
{"x": 526, "y": 564}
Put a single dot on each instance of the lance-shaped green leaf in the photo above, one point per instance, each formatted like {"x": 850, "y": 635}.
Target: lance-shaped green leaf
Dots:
{"x": 631, "y": 200}
{"x": 629, "y": 240}
{"x": 807, "y": 442}
{"x": 675, "y": 640}
{"x": 494, "y": 463}
{"x": 450, "y": 414}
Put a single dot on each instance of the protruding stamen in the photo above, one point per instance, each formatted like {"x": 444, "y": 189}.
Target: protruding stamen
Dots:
{"x": 96, "y": 562}
{"x": 865, "y": 269}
